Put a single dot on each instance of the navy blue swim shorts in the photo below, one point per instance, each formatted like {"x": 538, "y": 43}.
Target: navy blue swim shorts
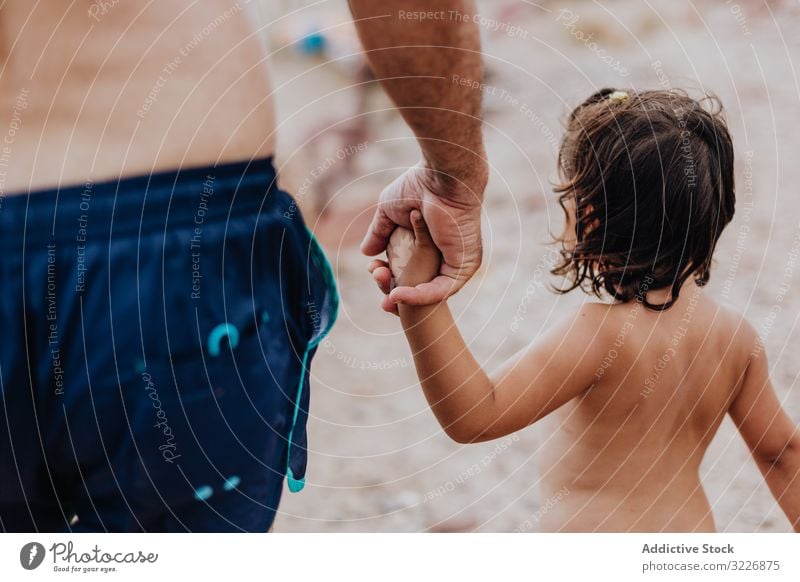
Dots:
{"x": 157, "y": 334}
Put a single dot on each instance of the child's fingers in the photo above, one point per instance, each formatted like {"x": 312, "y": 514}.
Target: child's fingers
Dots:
{"x": 388, "y": 305}
{"x": 383, "y": 277}
{"x": 375, "y": 264}
{"x": 429, "y": 293}
{"x": 422, "y": 236}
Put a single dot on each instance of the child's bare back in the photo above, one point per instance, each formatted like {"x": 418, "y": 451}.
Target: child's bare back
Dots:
{"x": 625, "y": 454}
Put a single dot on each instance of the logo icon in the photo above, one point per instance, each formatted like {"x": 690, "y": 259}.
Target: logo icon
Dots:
{"x": 31, "y": 555}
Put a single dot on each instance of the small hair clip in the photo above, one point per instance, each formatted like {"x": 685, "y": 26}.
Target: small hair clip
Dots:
{"x": 618, "y": 96}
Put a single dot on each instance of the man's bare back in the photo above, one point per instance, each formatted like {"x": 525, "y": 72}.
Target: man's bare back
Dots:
{"x": 625, "y": 455}
{"x": 98, "y": 90}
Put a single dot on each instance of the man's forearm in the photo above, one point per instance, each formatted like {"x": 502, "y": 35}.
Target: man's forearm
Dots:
{"x": 427, "y": 56}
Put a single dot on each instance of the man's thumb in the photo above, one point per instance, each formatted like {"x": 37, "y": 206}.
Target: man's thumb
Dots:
{"x": 378, "y": 234}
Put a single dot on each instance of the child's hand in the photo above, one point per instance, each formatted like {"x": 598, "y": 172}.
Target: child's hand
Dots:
{"x": 413, "y": 258}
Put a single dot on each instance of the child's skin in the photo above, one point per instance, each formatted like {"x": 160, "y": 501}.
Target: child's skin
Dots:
{"x": 624, "y": 435}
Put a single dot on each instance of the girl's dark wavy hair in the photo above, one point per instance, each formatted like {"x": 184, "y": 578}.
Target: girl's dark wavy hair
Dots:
{"x": 651, "y": 177}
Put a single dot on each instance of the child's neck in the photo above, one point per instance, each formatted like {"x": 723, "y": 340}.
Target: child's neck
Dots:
{"x": 660, "y": 296}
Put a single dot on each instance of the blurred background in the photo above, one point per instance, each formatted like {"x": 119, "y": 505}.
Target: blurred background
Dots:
{"x": 378, "y": 460}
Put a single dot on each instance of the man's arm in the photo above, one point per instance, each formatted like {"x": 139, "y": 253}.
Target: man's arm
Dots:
{"x": 773, "y": 439}
{"x": 427, "y": 57}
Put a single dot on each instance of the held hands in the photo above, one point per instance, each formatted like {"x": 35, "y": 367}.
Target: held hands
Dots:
{"x": 413, "y": 259}
{"x": 451, "y": 211}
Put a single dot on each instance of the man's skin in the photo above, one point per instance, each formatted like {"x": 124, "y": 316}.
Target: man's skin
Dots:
{"x": 97, "y": 90}
{"x": 89, "y": 78}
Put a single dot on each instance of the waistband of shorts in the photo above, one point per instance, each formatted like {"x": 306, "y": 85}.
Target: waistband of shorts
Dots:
{"x": 136, "y": 205}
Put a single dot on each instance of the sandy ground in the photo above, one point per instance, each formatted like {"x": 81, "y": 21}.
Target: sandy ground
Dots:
{"x": 378, "y": 460}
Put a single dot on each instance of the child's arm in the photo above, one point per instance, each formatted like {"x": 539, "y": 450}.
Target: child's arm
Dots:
{"x": 773, "y": 438}
{"x": 470, "y": 404}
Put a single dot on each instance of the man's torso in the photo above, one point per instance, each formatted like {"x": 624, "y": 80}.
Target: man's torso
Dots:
{"x": 96, "y": 90}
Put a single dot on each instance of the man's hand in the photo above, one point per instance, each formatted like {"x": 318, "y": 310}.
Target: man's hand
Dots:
{"x": 455, "y": 228}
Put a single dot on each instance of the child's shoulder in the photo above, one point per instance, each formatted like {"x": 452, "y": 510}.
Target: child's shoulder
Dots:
{"x": 741, "y": 332}
{"x": 602, "y": 321}
{"x": 710, "y": 319}
{"x": 594, "y": 314}
{"x": 729, "y": 324}
{"x": 607, "y": 317}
